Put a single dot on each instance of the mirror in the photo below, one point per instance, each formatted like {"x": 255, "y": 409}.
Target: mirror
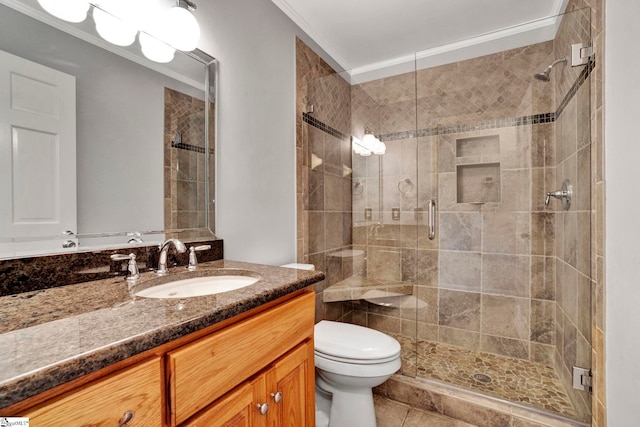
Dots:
{"x": 107, "y": 149}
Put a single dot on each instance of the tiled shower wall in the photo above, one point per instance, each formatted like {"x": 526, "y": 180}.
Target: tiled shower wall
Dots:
{"x": 323, "y": 153}
{"x": 185, "y": 199}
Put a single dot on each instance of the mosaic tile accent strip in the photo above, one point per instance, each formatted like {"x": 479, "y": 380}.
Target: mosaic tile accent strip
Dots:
{"x": 307, "y": 118}
{"x": 467, "y": 127}
{"x": 513, "y": 379}
{"x": 189, "y": 147}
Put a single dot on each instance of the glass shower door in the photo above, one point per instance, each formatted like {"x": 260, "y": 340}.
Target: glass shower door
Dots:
{"x": 386, "y": 218}
{"x": 504, "y": 307}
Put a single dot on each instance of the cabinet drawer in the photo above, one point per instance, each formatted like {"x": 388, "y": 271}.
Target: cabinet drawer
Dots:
{"x": 202, "y": 371}
{"x": 104, "y": 401}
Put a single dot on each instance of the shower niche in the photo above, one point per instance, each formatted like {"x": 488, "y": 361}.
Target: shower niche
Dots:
{"x": 478, "y": 169}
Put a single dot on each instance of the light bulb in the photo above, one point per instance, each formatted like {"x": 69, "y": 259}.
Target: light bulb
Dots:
{"x": 379, "y": 148}
{"x": 156, "y": 50}
{"x": 358, "y": 147}
{"x": 112, "y": 29}
{"x": 180, "y": 29}
{"x": 369, "y": 141}
{"x": 68, "y": 10}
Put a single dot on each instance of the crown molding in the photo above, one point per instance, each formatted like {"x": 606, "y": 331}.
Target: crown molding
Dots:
{"x": 509, "y": 38}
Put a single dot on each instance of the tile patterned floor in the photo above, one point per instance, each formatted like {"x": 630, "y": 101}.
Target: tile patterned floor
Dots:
{"x": 390, "y": 413}
{"x": 516, "y": 380}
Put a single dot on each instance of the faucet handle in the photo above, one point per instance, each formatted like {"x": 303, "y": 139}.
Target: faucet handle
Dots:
{"x": 132, "y": 267}
{"x": 193, "y": 259}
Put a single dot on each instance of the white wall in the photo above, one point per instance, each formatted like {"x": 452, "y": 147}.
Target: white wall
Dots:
{"x": 622, "y": 137}
{"x": 255, "y": 44}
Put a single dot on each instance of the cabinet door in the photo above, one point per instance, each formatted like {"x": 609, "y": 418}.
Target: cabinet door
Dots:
{"x": 233, "y": 410}
{"x": 105, "y": 401}
{"x": 291, "y": 389}
{"x": 239, "y": 408}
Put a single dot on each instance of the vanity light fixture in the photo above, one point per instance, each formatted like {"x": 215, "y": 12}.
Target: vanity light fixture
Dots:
{"x": 368, "y": 145}
{"x": 69, "y": 10}
{"x": 162, "y": 26}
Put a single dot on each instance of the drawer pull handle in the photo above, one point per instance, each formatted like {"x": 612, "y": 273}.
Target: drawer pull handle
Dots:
{"x": 128, "y": 416}
{"x": 263, "y": 408}
{"x": 277, "y": 396}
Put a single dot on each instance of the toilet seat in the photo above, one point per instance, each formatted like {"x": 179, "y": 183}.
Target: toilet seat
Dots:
{"x": 368, "y": 370}
{"x": 347, "y": 343}
{"x": 356, "y": 361}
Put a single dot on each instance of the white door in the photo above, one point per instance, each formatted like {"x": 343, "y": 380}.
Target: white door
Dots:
{"x": 37, "y": 155}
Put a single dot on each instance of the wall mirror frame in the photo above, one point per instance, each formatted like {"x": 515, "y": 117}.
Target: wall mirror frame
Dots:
{"x": 144, "y": 142}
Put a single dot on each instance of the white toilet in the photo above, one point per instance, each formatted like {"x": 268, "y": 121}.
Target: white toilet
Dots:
{"x": 350, "y": 360}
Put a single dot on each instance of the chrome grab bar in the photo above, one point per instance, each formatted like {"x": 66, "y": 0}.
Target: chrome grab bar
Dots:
{"x": 431, "y": 206}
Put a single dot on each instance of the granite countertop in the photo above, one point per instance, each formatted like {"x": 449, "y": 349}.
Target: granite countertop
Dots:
{"x": 53, "y": 336}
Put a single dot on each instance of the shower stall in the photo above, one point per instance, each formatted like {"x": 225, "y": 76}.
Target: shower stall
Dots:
{"x": 467, "y": 237}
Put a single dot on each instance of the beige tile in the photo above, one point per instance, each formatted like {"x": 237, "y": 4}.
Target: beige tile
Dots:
{"x": 583, "y": 242}
{"x": 460, "y": 270}
{"x": 505, "y": 346}
{"x": 506, "y": 274}
{"x": 570, "y": 238}
{"x": 475, "y": 415}
{"x": 459, "y": 337}
{"x": 459, "y": 310}
{"x": 569, "y": 286}
{"x": 542, "y": 233}
{"x": 460, "y": 231}
{"x": 543, "y": 278}
{"x": 384, "y": 264}
{"x": 385, "y": 324}
{"x": 542, "y": 321}
{"x": 542, "y": 353}
{"x": 506, "y": 233}
{"x": 516, "y": 190}
{"x": 417, "y": 418}
{"x": 495, "y": 309}
{"x": 415, "y": 396}
{"x": 389, "y": 413}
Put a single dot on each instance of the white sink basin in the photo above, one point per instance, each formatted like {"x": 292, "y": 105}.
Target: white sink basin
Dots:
{"x": 198, "y": 286}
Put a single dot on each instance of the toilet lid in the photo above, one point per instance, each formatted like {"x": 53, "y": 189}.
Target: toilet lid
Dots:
{"x": 347, "y": 341}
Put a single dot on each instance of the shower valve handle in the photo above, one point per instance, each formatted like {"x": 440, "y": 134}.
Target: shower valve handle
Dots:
{"x": 564, "y": 195}
{"x": 557, "y": 194}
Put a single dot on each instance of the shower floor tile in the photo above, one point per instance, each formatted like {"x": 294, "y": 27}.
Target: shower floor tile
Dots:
{"x": 516, "y": 380}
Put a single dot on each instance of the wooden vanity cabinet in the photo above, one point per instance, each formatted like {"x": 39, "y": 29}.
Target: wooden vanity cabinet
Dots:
{"x": 205, "y": 370}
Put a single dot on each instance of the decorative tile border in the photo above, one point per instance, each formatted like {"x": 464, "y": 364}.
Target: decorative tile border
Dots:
{"x": 307, "y": 118}
{"x": 468, "y": 127}
{"x": 189, "y": 147}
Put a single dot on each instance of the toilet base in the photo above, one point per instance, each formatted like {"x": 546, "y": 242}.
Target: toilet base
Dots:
{"x": 349, "y": 408}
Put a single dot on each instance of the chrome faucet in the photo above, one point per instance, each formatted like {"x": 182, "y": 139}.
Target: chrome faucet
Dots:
{"x": 164, "y": 248}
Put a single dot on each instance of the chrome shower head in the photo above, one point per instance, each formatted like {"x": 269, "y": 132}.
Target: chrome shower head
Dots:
{"x": 544, "y": 75}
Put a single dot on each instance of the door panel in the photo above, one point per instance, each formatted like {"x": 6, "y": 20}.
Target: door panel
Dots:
{"x": 37, "y": 154}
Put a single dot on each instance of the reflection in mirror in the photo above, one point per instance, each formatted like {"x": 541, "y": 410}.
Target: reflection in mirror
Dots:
{"x": 99, "y": 147}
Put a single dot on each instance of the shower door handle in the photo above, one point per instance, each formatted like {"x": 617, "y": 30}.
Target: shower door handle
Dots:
{"x": 431, "y": 206}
